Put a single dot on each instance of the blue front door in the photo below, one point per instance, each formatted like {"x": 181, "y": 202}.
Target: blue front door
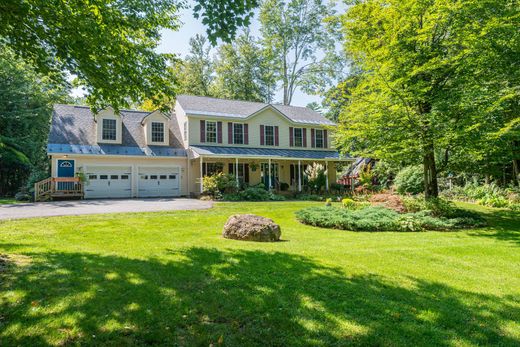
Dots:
{"x": 65, "y": 169}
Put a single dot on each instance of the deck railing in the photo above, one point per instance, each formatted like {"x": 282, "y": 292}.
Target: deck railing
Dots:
{"x": 53, "y": 187}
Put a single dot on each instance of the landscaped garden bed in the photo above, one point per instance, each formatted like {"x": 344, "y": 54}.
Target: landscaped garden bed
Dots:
{"x": 394, "y": 214}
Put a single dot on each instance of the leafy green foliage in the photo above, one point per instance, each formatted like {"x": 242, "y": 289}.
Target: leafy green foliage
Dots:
{"x": 376, "y": 218}
{"x": 409, "y": 180}
{"x": 26, "y": 100}
{"x": 294, "y": 33}
{"x": 218, "y": 183}
{"x": 224, "y": 18}
{"x": 316, "y": 176}
{"x": 110, "y": 46}
{"x": 256, "y": 193}
{"x": 195, "y": 72}
{"x": 367, "y": 219}
{"x": 366, "y": 176}
{"x": 242, "y": 72}
{"x": 351, "y": 204}
{"x": 486, "y": 194}
{"x": 429, "y": 78}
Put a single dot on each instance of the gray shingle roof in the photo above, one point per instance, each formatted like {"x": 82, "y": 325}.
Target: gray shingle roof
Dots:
{"x": 202, "y": 105}
{"x": 266, "y": 152}
{"x": 74, "y": 126}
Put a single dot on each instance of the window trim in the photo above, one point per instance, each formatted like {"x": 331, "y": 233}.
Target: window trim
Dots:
{"x": 273, "y": 135}
{"x": 207, "y": 132}
{"x": 152, "y": 132}
{"x": 103, "y": 129}
{"x": 233, "y": 133}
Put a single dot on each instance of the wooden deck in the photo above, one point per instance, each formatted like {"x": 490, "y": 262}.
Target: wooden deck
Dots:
{"x": 58, "y": 188}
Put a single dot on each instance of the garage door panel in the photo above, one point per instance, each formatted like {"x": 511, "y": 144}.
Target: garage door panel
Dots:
{"x": 158, "y": 182}
{"x": 108, "y": 182}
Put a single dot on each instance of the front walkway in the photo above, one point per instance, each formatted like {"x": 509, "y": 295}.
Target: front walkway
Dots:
{"x": 79, "y": 207}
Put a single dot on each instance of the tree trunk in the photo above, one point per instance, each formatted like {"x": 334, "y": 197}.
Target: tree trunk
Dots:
{"x": 285, "y": 78}
{"x": 431, "y": 187}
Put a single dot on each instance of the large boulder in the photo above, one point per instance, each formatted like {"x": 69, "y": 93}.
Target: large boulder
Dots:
{"x": 250, "y": 227}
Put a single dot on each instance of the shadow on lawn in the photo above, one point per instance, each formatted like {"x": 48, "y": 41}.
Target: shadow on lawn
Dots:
{"x": 247, "y": 297}
{"x": 505, "y": 225}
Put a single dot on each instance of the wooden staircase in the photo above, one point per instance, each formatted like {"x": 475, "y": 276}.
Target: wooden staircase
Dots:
{"x": 58, "y": 188}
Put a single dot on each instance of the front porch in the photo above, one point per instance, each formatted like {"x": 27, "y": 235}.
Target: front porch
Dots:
{"x": 253, "y": 168}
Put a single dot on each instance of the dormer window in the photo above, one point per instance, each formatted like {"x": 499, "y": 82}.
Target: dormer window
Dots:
{"x": 158, "y": 132}
{"x": 109, "y": 132}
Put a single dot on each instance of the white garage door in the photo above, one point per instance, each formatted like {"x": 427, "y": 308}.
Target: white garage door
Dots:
{"x": 159, "y": 182}
{"x": 108, "y": 182}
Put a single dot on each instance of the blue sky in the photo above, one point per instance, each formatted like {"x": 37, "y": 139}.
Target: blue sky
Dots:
{"x": 178, "y": 42}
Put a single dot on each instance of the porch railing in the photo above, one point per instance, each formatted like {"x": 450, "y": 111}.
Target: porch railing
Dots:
{"x": 56, "y": 187}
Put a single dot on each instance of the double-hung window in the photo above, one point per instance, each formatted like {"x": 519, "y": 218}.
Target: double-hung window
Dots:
{"x": 319, "y": 138}
{"x": 211, "y": 132}
{"x": 109, "y": 129}
{"x": 298, "y": 137}
{"x": 238, "y": 133}
{"x": 269, "y": 135}
{"x": 158, "y": 132}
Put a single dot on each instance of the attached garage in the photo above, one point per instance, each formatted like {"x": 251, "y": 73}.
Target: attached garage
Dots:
{"x": 159, "y": 182}
{"x": 108, "y": 182}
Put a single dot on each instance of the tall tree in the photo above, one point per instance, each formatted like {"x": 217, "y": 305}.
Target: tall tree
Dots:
{"x": 422, "y": 83}
{"x": 196, "y": 73}
{"x": 109, "y": 44}
{"x": 26, "y": 100}
{"x": 300, "y": 44}
{"x": 242, "y": 73}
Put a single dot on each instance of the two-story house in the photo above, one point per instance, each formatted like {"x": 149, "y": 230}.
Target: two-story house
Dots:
{"x": 143, "y": 154}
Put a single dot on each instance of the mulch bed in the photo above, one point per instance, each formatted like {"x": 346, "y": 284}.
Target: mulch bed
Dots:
{"x": 388, "y": 200}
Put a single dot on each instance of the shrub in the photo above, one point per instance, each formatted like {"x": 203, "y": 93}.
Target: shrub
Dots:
{"x": 377, "y": 218}
{"x": 409, "y": 180}
{"x": 316, "y": 177}
{"x": 366, "y": 177}
{"x": 337, "y": 187}
{"x": 256, "y": 193}
{"x": 368, "y": 219}
{"x": 22, "y": 196}
{"x": 284, "y": 186}
{"x": 351, "y": 204}
{"x": 485, "y": 194}
{"x": 218, "y": 183}
{"x": 348, "y": 203}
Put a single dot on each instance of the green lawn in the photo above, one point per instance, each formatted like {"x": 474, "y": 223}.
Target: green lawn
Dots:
{"x": 169, "y": 278}
{"x": 6, "y": 201}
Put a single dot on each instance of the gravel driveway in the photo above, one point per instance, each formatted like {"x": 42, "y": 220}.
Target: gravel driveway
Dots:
{"x": 79, "y": 207}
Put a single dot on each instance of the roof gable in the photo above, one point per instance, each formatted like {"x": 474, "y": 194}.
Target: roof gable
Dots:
{"x": 208, "y": 106}
{"x": 154, "y": 113}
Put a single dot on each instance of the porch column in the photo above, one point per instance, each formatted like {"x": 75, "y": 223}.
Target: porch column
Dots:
{"x": 299, "y": 175}
{"x": 327, "y": 175}
{"x": 269, "y": 173}
{"x": 236, "y": 172}
{"x": 201, "y": 183}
